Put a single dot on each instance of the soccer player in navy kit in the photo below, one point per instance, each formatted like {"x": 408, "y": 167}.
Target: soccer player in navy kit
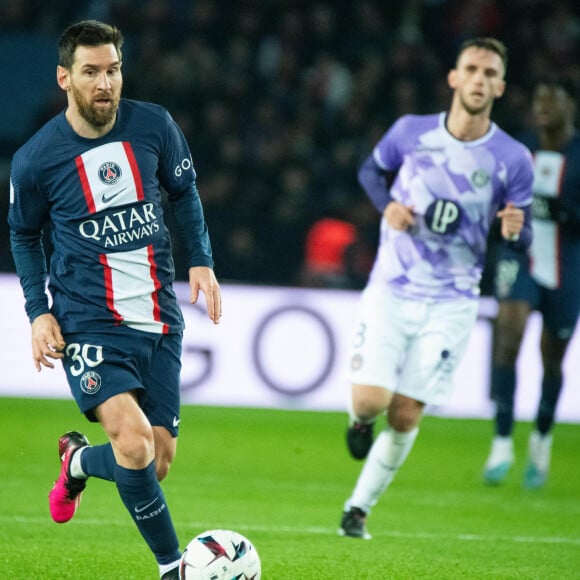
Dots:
{"x": 546, "y": 279}
{"x": 95, "y": 173}
{"x": 439, "y": 181}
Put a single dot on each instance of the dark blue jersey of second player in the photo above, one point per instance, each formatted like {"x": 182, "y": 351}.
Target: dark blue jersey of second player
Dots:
{"x": 111, "y": 262}
{"x": 555, "y": 251}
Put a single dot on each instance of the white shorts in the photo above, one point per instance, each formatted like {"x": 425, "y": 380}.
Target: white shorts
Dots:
{"x": 410, "y": 347}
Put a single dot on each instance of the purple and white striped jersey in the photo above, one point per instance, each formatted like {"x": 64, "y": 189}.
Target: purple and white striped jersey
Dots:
{"x": 455, "y": 187}
{"x": 111, "y": 262}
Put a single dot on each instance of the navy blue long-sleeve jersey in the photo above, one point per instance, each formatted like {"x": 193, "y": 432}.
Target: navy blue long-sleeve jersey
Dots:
{"x": 555, "y": 251}
{"x": 111, "y": 261}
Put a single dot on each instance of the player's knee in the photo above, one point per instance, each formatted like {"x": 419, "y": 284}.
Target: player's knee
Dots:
{"x": 403, "y": 422}
{"x": 366, "y": 409}
{"x": 134, "y": 451}
{"x": 553, "y": 353}
{"x": 368, "y": 402}
{"x": 404, "y": 416}
{"x": 507, "y": 342}
{"x": 506, "y": 349}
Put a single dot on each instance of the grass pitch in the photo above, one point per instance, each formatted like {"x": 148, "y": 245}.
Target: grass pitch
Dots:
{"x": 280, "y": 478}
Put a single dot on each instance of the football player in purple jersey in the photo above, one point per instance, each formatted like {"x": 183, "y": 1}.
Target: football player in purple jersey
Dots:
{"x": 546, "y": 279}
{"x": 95, "y": 174}
{"x": 439, "y": 181}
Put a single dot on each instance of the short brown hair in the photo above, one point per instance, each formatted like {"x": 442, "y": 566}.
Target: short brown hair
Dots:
{"x": 487, "y": 43}
{"x": 87, "y": 33}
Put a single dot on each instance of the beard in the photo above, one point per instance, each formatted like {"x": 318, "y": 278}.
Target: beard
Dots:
{"x": 93, "y": 116}
{"x": 471, "y": 109}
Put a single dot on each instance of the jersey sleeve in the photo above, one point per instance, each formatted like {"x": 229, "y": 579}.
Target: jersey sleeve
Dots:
{"x": 379, "y": 169}
{"x": 519, "y": 192}
{"x": 27, "y": 214}
{"x": 521, "y": 179}
{"x": 376, "y": 182}
{"x": 387, "y": 153}
{"x": 177, "y": 176}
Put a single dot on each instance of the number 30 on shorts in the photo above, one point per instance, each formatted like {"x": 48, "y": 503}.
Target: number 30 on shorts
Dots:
{"x": 83, "y": 356}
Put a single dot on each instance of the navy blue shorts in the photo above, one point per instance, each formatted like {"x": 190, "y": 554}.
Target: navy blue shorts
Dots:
{"x": 99, "y": 366}
{"x": 559, "y": 307}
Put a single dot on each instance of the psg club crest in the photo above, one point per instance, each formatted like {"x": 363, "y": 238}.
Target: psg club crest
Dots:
{"x": 90, "y": 382}
{"x": 109, "y": 173}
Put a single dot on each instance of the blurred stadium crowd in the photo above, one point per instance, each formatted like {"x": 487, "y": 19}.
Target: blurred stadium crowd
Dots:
{"x": 280, "y": 100}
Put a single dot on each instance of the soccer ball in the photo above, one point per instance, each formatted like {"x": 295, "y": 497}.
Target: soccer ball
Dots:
{"x": 220, "y": 555}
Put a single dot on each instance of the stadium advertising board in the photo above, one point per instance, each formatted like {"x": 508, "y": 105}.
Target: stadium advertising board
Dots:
{"x": 285, "y": 348}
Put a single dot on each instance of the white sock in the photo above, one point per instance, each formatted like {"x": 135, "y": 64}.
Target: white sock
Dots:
{"x": 540, "y": 450}
{"x": 387, "y": 454}
{"x": 354, "y": 419}
{"x": 502, "y": 451}
{"x": 75, "y": 465}
{"x": 166, "y": 567}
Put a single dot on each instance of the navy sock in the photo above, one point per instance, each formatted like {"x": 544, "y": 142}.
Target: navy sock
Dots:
{"x": 503, "y": 380}
{"x": 99, "y": 461}
{"x": 142, "y": 495}
{"x": 551, "y": 387}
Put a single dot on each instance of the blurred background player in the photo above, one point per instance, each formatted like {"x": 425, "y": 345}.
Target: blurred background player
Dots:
{"x": 547, "y": 279}
{"x": 94, "y": 173}
{"x": 439, "y": 181}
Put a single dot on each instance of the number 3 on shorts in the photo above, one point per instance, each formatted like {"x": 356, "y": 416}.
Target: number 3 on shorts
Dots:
{"x": 86, "y": 355}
